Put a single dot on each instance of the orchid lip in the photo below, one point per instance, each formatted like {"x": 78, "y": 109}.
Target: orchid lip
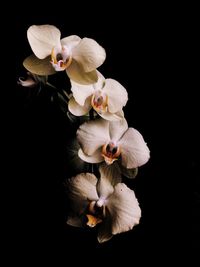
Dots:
{"x": 111, "y": 152}
{"x": 61, "y": 60}
{"x": 95, "y": 212}
{"x": 99, "y": 101}
{"x": 92, "y": 220}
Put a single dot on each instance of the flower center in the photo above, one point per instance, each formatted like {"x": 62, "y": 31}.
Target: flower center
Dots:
{"x": 99, "y": 101}
{"x": 92, "y": 220}
{"x": 94, "y": 214}
{"x": 110, "y": 152}
{"x": 60, "y": 58}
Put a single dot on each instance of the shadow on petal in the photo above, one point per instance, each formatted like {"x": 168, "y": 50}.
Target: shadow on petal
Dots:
{"x": 104, "y": 231}
{"x": 77, "y": 74}
{"x": 39, "y": 66}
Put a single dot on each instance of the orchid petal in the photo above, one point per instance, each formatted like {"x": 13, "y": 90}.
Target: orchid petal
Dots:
{"x": 71, "y": 41}
{"x": 111, "y": 172}
{"x": 101, "y": 81}
{"x": 92, "y": 135}
{"x": 104, "y": 190}
{"x": 117, "y": 95}
{"x": 117, "y": 129}
{"x": 77, "y": 74}
{"x": 81, "y": 92}
{"x": 104, "y": 232}
{"x": 112, "y": 116}
{"x": 83, "y": 187}
{"x": 94, "y": 158}
{"x": 89, "y": 54}
{"x": 124, "y": 209}
{"x": 39, "y": 66}
{"x": 134, "y": 151}
{"x": 110, "y": 176}
{"x": 42, "y": 39}
{"x": 77, "y": 109}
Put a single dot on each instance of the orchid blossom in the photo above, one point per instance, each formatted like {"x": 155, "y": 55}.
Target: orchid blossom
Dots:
{"x": 106, "y": 202}
{"x": 102, "y": 140}
{"x": 116, "y": 149}
{"x": 79, "y": 57}
{"x": 107, "y": 97}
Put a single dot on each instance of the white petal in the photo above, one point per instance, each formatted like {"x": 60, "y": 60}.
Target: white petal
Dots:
{"x": 77, "y": 74}
{"x": 71, "y": 41}
{"x": 117, "y": 129}
{"x": 101, "y": 81}
{"x": 94, "y": 158}
{"x": 117, "y": 95}
{"x": 42, "y": 39}
{"x": 92, "y": 135}
{"x": 38, "y": 66}
{"x": 134, "y": 151}
{"x": 104, "y": 190}
{"x": 83, "y": 187}
{"x": 89, "y": 54}
{"x": 110, "y": 176}
{"x": 81, "y": 92}
{"x": 112, "y": 116}
{"x": 124, "y": 209}
{"x": 78, "y": 110}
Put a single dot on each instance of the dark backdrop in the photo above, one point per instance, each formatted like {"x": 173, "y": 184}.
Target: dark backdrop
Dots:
{"x": 142, "y": 54}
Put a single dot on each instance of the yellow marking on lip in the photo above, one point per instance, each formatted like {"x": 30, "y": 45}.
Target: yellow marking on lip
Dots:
{"x": 53, "y": 57}
{"x": 65, "y": 64}
{"x": 92, "y": 220}
{"x": 110, "y": 157}
{"x": 108, "y": 160}
{"x": 102, "y": 105}
{"x": 68, "y": 62}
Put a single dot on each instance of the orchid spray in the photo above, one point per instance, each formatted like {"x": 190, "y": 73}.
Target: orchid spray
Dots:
{"x": 103, "y": 139}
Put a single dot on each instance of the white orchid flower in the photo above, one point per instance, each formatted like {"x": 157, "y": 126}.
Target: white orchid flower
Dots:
{"x": 107, "y": 97}
{"x": 79, "y": 57}
{"x": 106, "y": 202}
{"x": 110, "y": 140}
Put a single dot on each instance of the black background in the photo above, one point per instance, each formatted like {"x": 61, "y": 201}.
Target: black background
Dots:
{"x": 143, "y": 54}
